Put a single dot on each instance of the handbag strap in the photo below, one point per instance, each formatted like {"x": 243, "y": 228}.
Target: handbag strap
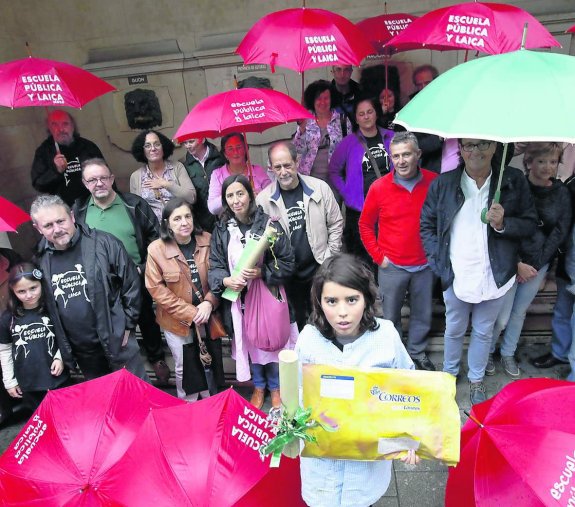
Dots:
{"x": 200, "y": 329}
{"x": 188, "y": 275}
{"x": 369, "y": 155}
{"x": 205, "y": 356}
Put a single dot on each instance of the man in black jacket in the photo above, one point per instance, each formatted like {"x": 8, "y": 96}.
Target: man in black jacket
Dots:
{"x": 343, "y": 90}
{"x": 91, "y": 290}
{"x": 130, "y": 219}
{"x": 476, "y": 260}
{"x": 56, "y": 167}
{"x": 201, "y": 159}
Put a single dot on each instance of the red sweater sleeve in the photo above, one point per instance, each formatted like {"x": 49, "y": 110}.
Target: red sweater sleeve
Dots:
{"x": 367, "y": 222}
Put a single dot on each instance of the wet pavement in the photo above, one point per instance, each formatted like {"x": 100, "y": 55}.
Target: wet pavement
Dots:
{"x": 423, "y": 485}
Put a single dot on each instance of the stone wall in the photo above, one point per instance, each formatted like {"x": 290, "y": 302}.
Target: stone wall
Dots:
{"x": 185, "y": 50}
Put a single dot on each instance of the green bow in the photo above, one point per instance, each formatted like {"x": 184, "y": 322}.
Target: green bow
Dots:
{"x": 290, "y": 430}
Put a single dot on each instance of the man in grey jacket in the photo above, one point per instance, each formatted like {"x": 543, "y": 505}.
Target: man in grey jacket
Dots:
{"x": 308, "y": 211}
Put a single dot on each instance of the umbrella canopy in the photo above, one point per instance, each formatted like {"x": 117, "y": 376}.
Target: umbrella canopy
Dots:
{"x": 11, "y": 216}
{"x": 302, "y": 39}
{"x": 287, "y": 476}
{"x": 571, "y": 30}
{"x": 39, "y": 82}
{"x": 478, "y": 26}
{"x": 492, "y": 98}
{"x": 242, "y": 110}
{"x": 522, "y": 454}
{"x": 72, "y": 440}
{"x": 380, "y": 29}
{"x": 205, "y": 453}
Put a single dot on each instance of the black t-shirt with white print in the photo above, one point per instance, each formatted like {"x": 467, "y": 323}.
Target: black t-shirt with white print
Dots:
{"x": 377, "y": 149}
{"x": 304, "y": 259}
{"x": 33, "y": 349}
{"x": 70, "y": 291}
{"x": 188, "y": 251}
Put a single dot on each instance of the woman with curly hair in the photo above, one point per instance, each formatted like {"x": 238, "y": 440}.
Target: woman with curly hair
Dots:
{"x": 316, "y": 140}
{"x": 159, "y": 179}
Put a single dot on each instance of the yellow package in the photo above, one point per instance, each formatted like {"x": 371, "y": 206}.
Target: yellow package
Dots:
{"x": 379, "y": 411}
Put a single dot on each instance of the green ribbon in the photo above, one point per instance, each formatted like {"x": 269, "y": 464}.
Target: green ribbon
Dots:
{"x": 272, "y": 241}
{"x": 289, "y": 430}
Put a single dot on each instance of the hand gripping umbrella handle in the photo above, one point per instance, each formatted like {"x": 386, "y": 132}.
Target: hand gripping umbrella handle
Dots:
{"x": 497, "y": 195}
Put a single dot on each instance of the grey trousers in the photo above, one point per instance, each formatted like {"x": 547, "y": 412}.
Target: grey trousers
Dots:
{"x": 393, "y": 286}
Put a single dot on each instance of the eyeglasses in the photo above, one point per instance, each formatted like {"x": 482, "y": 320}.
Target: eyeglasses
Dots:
{"x": 149, "y": 146}
{"x": 93, "y": 181}
{"x": 482, "y": 146}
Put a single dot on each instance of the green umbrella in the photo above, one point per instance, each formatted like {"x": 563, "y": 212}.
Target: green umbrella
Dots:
{"x": 519, "y": 96}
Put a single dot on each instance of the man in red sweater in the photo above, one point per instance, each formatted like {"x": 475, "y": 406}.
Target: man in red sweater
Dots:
{"x": 394, "y": 203}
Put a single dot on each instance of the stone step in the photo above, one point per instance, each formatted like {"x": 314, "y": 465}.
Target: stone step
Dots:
{"x": 536, "y": 330}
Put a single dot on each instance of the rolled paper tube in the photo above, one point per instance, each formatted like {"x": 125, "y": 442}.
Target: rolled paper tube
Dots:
{"x": 250, "y": 256}
{"x": 289, "y": 373}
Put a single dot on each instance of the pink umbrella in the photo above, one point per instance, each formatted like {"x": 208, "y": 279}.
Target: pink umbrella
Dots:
{"x": 571, "y": 30}
{"x": 302, "y": 39}
{"x": 487, "y": 27}
{"x": 240, "y": 110}
{"x": 517, "y": 448}
{"x": 11, "y": 216}
{"x": 380, "y": 29}
{"x": 68, "y": 448}
{"x": 203, "y": 454}
{"x": 39, "y": 82}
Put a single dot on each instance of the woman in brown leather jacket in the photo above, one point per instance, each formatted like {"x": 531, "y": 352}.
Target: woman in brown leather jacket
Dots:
{"x": 177, "y": 279}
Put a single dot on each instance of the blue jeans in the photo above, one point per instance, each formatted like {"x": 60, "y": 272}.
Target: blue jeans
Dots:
{"x": 561, "y": 327}
{"x": 483, "y": 316}
{"x": 266, "y": 375}
{"x": 512, "y": 314}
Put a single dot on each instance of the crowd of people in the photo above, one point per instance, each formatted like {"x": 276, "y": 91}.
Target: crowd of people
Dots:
{"x": 348, "y": 202}
{"x": 161, "y": 256}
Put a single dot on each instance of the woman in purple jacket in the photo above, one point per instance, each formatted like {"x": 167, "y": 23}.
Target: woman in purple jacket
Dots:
{"x": 351, "y": 167}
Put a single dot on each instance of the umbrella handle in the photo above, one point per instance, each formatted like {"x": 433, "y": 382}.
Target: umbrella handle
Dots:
{"x": 497, "y": 195}
{"x": 473, "y": 419}
{"x": 250, "y": 168}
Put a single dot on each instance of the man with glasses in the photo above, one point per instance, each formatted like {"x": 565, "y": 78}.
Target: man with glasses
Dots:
{"x": 309, "y": 213}
{"x": 202, "y": 157}
{"x": 56, "y": 167}
{"x": 92, "y": 291}
{"x": 474, "y": 252}
{"x": 129, "y": 218}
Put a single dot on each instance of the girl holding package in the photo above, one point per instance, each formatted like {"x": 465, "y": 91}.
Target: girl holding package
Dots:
{"x": 344, "y": 331}
{"x": 29, "y": 355}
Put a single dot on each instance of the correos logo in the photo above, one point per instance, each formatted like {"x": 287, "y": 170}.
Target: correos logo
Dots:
{"x": 387, "y": 397}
